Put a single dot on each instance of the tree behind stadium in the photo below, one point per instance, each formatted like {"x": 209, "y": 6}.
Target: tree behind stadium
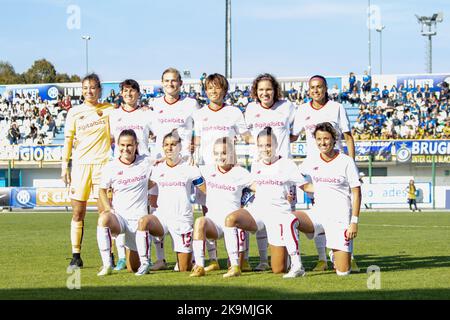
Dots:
{"x": 42, "y": 71}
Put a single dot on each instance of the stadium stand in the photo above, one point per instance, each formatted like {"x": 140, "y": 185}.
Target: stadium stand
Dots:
{"x": 379, "y": 113}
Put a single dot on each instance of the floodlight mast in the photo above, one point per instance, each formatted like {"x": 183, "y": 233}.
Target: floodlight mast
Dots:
{"x": 431, "y": 23}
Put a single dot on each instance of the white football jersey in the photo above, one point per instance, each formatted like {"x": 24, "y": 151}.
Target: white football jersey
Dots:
{"x": 174, "y": 187}
{"x": 273, "y": 182}
{"x": 308, "y": 117}
{"x": 224, "y": 190}
{"x": 170, "y": 116}
{"x": 129, "y": 185}
{"x": 140, "y": 120}
{"x": 211, "y": 125}
{"x": 280, "y": 117}
{"x": 332, "y": 181}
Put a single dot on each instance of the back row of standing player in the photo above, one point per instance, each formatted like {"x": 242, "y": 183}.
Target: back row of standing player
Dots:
{"x": 206, "y": 125}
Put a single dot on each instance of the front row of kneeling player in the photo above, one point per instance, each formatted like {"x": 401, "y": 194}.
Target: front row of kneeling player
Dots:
{"x": 332, "y": 176}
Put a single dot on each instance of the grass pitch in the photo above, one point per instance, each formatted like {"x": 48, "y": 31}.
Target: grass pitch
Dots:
{"x": 411, "y": 250}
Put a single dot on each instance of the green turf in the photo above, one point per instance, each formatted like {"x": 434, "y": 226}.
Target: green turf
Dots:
{"x": 412, "y": 251}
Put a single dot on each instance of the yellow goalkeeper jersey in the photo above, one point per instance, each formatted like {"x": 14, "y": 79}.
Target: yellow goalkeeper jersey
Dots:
{"x": 89, "y": 127}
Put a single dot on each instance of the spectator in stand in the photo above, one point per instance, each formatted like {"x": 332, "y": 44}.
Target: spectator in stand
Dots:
{"x": 33, "y": 134}
{"x": 367, "y": 82}
{"x": 112, "y": 97}
{"x": 13, "y": 134}
{"x": 376, "y": 94}
{"x": 354, "y": 97}
{"x": 385, "y": 93}
{"x": 351, "y": 81}
{"x": 65, "y": 103}
{"x": 334, "y": 93}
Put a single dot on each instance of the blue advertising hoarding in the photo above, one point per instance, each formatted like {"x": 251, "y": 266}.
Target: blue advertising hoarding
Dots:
{"x": 423, "y": 151}
{"x": 23, "y": 197}
{"x": 434, "y": 81}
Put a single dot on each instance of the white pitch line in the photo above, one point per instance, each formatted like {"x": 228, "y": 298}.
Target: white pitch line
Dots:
{"x": 401, "y": 225}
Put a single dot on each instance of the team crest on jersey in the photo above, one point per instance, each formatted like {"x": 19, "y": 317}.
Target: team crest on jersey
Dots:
{"x": 316, "y": 168}
{"x": 205, "y": 119}
{"x": 120, "y": 173}
{"x": 257, "y": 115}
{"x": 161, "y": 111}
{"x": 213, "y": 175}
{"x": 72, "y": 190}
{"x": 100, "y": 113}
{"x": 162, "y": 175}
{"x": 258, "y": 172}
{"x": 307, "y": 118}
{"x": 82, "y": 117}
{"x": 120, "y": 119}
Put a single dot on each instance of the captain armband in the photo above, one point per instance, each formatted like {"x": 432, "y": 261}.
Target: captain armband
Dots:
{"x": 247, "y": 196}
{"x": 198, "y": 182}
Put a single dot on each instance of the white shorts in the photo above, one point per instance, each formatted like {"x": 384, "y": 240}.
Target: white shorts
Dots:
{"x": 181, "y": 233}
{"x": 277, "y": 224}
{"x": 335, "y": 232}
{"x": 128, "y": 227}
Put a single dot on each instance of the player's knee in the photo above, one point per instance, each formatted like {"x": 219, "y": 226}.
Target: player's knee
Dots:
{"x": 104, "y": 220}
{"x": 78, "y": 214}
{"x": 200, "y": 224}
{"x": 231, "y": 220}
{"x": 142, "y": 224}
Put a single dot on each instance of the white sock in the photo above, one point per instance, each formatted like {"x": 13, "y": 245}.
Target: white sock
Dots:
{"x": 321, "y": 246}
{"x": 199, "y": 252}
{"x": 120, "y": 246}
{"x": 291, "y": 240}
{"x": 339, "y": 273}
{"x": 143, "y": 243}
{"x": 232, "y": 243}
{"x": 212, "y": 250}
{"x": 104, "y": 245}
{"x": 159, "y": 246}
{"x": 261, "y": 240}
{"x": 242, "y": 241}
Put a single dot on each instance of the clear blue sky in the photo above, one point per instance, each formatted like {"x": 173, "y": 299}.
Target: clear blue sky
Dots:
{"x": 140, "y": 38}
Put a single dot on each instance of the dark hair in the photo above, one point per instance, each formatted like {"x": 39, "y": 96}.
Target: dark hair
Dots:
{"x": 318, "y": 76}
{"x": 276, "y": 87}
{"x": 218, "y": 80}
{"x": 326, "y": 127}
{"x": 173, "y": 134}
{"x": 131, "y": 83}
{"x": 93, "y": 77}
{"x": 129, "y": 133}
{"x": 267, "y": 132}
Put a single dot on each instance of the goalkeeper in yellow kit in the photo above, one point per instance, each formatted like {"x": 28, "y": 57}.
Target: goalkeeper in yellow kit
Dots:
{"x": 88, "y": 125}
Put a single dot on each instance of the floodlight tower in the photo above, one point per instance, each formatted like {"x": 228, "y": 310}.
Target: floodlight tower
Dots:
{"x": 430, "y": 22}
{"x": 228, "y": 72}
{"x": 380, "y": 30}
